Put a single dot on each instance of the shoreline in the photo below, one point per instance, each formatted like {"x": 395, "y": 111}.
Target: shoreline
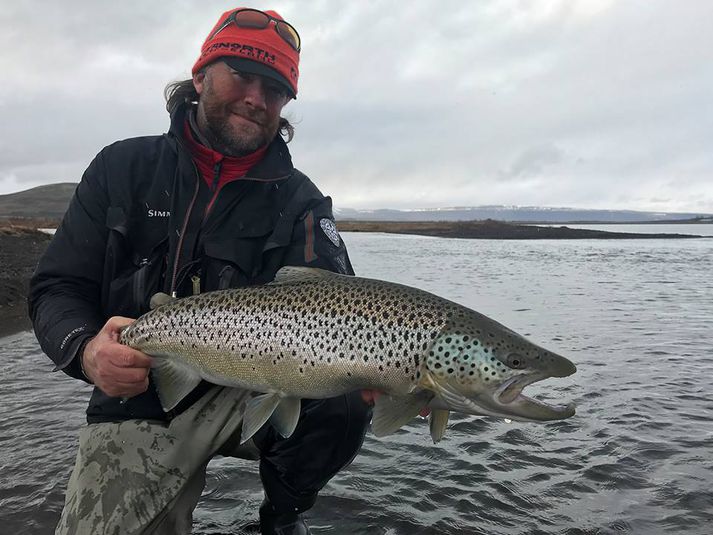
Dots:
{"x": 20, "y": 249}
{"x": 494, "y": 230}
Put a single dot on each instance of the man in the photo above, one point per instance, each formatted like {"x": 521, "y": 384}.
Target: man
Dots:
{"x": 212, "y": 204}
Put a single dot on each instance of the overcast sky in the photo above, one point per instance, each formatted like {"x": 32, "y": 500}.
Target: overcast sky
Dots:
{"x": 589, "y": 103}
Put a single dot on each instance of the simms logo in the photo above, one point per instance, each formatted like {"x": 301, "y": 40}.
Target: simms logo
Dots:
{"x": 159, "y": 213}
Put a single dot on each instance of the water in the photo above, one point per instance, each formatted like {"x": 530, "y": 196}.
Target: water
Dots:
{"x": 636, "y": 316}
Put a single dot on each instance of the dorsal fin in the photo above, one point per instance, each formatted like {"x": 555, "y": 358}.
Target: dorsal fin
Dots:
{"x": 298, "y": 274}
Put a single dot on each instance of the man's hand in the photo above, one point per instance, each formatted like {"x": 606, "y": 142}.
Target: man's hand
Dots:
{"x": 117, "y": 370}
{"x": 369, "y": 397}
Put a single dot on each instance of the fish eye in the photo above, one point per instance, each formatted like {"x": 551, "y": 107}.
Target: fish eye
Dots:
{"x": 516, "y": 361}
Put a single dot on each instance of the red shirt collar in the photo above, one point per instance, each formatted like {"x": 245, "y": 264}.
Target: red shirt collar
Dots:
{"x": 218, "y": 169}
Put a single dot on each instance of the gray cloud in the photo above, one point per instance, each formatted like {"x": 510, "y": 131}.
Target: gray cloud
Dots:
{"x": 554, "y": 102}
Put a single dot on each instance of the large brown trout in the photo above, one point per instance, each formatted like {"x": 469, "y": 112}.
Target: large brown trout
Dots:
{"x": 314, "y": 334}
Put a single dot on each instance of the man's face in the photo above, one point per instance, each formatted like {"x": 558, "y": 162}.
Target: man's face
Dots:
{"x": 237, "y": 112}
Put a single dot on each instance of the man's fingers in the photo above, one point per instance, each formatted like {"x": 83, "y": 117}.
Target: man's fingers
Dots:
{"x": 114, "y": 325}
{"x": 122, "y": 390}
{"x": 129, "y": 376}
{"x": 117, "y": 322}
{"x": 125, "y": 357}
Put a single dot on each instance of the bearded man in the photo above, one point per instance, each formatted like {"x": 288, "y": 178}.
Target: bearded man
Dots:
{"x": 212, "y": 204}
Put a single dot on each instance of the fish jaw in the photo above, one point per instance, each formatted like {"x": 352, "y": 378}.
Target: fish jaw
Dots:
{"x": 505, "y": 401}
{"x": 510, "y": 399}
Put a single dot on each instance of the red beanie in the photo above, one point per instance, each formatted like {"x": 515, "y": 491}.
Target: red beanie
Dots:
{"x": 260, "y": 51}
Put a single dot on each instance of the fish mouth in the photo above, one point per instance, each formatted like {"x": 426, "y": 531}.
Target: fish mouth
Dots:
{"x": 510, "y": 399}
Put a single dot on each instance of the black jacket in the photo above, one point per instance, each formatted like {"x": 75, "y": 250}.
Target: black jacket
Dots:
{"x": 141, "y": 200}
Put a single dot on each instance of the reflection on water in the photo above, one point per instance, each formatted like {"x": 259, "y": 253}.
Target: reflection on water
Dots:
{"x": 635, "y": 317}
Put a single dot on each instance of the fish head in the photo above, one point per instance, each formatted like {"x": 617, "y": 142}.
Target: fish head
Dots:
{"x": 482, "y": 367}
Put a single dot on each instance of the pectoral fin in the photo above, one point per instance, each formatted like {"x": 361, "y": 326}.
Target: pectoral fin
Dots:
{"x": 445, "y": 392}
{"x": 438, "y": 420}
{"x": 257, "y": 411}
{"x": 392, "y": 412}
{"x": 286, "y": 416}
{"x": 173, "y": 381}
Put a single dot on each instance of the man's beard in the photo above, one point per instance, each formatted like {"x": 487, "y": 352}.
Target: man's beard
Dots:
{"x": 228, "y": 137}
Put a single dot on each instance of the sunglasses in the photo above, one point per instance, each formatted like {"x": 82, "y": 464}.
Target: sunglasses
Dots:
{"x": 258, "y": 20}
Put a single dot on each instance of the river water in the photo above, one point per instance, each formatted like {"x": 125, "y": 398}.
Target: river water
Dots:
{"x": 636, "y": 316}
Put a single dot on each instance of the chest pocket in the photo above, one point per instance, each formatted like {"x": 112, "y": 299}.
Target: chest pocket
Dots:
{"x": 236, "y": 260}
{"x": 135, "y": 263}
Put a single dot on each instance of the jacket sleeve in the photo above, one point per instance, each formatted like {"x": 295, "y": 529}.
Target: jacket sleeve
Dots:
{"x": 316, "y": 241}
{"x": 64, "y": 297}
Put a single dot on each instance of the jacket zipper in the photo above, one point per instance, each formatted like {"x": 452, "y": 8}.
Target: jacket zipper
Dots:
{"x": 176, "y": 262}
{"x": 216, "y": 179}
{"x": 140, "y": 281}
{"x": 214, "y": 188}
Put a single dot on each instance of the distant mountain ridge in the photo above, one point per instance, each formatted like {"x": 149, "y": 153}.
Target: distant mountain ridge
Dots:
{"x": 50, "y": 201}
{"x": 521, "y": 214}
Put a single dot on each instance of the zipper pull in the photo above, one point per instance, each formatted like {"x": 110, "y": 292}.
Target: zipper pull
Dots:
{"x": 216, "y": 175}
{"x": 196, "y": 281}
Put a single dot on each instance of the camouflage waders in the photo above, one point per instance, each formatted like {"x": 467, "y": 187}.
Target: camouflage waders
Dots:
{"x": 141, "y": 477}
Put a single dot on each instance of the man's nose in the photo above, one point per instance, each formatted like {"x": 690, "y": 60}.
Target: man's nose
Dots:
{"x": 255, "y": 93}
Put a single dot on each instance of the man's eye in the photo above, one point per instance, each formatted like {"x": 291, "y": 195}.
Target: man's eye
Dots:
{"x": 276, "y": 91}
{"x": 244, "y": 75}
